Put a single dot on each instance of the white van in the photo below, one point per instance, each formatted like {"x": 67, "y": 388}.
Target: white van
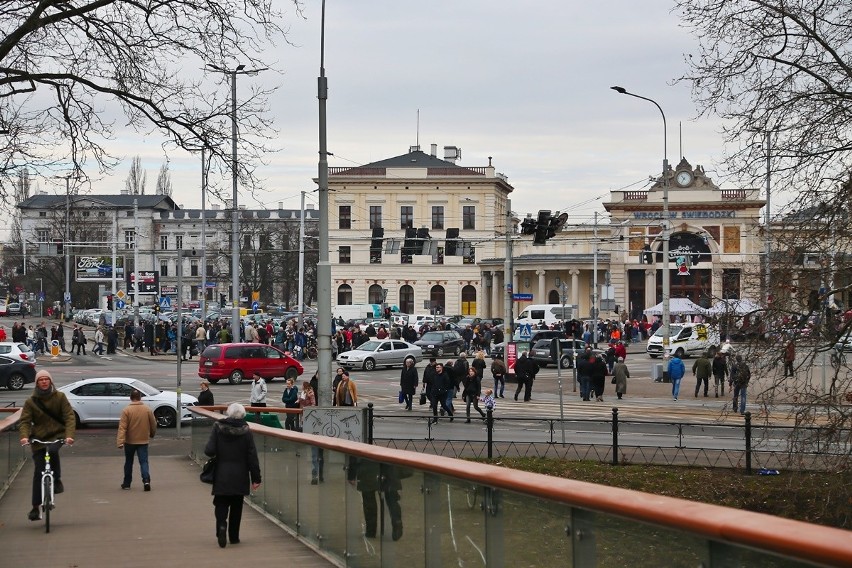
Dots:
{"x": 356, "y": 312}
{"x": 549, "y": 313}
{"x": 686, "y": 340}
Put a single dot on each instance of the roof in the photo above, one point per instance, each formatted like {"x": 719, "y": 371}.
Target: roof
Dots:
{"x": 416, "y": 159}
{"x": 43, "y": 201}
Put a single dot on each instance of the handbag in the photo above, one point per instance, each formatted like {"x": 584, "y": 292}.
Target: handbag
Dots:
{"x": 208, "y": 472}
{"x": 422, "y": 397}
{"x": 401, "y": 397}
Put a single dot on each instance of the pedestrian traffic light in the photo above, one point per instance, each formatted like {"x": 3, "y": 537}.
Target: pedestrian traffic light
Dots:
{"x": 109, "y": 302}
{"x": 647, "y": 255}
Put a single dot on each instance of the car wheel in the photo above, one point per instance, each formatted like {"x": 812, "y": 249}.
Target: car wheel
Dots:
{"x": 291, "y": 373}
{"x": 166, "y": 417}
{"x": 16, "y": 382}
{"x": 77, "y": 419}
{"x": 440, "y": 351}
{"x": 457, "y": 352}
{"x": 369, "y": 364}
{"x": 567, "y": 362}
{"x": 236, "y": 377}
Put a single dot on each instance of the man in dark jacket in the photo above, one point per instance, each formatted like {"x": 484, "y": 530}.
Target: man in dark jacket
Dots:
{"x": 597, "y": 373}
{"x": 720, "y": 371}
{"x": 525, "y": 372}
{"x": 437, "y": 389}
{"x": 702, "y": 369}
{"x": 237, "y": 471}
{"x": 408, "y": 381}
{"x": 584, "y": 373}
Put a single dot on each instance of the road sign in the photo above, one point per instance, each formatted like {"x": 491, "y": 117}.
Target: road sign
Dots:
{"x": 522, "y": 297}
{"x": 255, "y": 306}
{"x": 165, "y": 302}
{"x": 67, "y": 297}
{"x": 120, "y": 295}
{"x": 119, "y": 304}
{"x": 41, "y": 296}
{"x": 525, "y": 331}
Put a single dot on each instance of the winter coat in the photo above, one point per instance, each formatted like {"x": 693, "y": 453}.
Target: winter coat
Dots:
{"x": 237, "y": 465}
{"x": 472, "y": 387}
{"x": 702, "y": 368}
{"x": 621, "y": 373}
{"x": 479, "y": 365}
{"x": 676, "y": 369}
{"x": 408, "y": 380}
{"x": 36, "y": 424}
{"x": 290, "y": 398}
{"x": 137, "y": 424}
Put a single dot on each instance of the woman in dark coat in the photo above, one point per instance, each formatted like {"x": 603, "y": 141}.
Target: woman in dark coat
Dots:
{"x": 408, "y": 381}
{"x": 472, "y": 389}
{"x": 237, "y": 468}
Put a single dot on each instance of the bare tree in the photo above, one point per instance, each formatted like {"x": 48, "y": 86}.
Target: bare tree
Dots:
{"x": 136, "y": 178}
{"x": 164, "y": 181}
{"x": 69, "y": 70}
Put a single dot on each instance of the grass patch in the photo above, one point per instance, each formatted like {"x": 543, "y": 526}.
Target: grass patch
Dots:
{"x": 823, "y": 498}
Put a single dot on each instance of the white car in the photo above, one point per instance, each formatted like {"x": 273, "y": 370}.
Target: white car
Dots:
{"x": 380, "y": 353}
{"x": 103, "y": 399}
{"x": 18, "y": 351}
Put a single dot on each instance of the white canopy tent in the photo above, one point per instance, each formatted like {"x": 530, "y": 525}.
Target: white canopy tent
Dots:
{"x": 677, "y": 307}
{"x": 735, "y": 307}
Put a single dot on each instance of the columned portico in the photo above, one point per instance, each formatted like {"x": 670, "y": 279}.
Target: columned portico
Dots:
{"x": 575, "y": 286}
{"x": 541, "y": 283}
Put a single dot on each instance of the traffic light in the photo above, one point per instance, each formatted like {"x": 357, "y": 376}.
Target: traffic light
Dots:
{"x": 109, "y": 302}
{"x": 647, "y": 255}
{"x": 556, "y": 224}
{"x": 451, "y": 244}
{"x": 59, "y": 247}
{"x": 376, "y": 245}
{"x": 541, "y": 227}
{"x": 527, "y": 226}
{"x": 221, "y": 300}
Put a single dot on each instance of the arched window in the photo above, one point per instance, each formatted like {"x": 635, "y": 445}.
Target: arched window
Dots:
{"x": 437, "y": 300}
{"x": 553, "y": 297}
{"x": 344, "y": 295}
{"x": 406, "y": 299}
{"x": 468, "y": 297}
{"x": 374, "y": 294}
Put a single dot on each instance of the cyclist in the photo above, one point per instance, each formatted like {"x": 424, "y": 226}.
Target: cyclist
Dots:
{"x": 47, "y": 415}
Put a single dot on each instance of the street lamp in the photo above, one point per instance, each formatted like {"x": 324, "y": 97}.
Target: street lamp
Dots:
{"x": 665, "y": 227}
{"x": 235, "y": 221}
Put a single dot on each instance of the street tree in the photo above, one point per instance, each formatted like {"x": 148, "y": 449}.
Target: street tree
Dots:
{"x": 71, "y": 72}
{"x": 136, "y": 178}
{"x": 164, "y": 181}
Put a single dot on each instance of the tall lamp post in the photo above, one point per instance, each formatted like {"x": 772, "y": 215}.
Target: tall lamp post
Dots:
{"x": 235, "y": 218}
{"x": 665, "y": 227}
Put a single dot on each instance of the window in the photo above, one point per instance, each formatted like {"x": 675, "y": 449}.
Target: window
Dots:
{"x": 344, "y": 295}
{"x": 437, "y": 216}
{"x": 100, "y": 236}
{"x": 130, "y": 239}
{"x": 42, "y": 213}
{"x": 85, "y": 213}
{"x": 469, "y": 217}
{"x": 178, "y": 242}
{"x": 469, "y": 254}
{"x": 247, "y": 242}
{"x": 164, "y": 242}
{"x": 406, "y": 299}
{"x": 375, "y": 216}
{"x": 164, "y": 268}
{"x": 438, "y": 257}
{"x": 406, "y": 217}
{"x": 43, "y": 235}
{"x": 344, "y": 255}
{"x": 344, "y": 217}
{"x": 731, "y": 283}
{"x": 376, "y": 294}
{"x": 193, "y": 267}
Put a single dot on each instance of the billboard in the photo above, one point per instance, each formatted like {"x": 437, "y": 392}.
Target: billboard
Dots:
{"x": 97, "y": 268}
{"x": 149, "y": 282}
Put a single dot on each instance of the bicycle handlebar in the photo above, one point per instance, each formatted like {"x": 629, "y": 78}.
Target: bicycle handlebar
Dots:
{"x": 60, "y": 441}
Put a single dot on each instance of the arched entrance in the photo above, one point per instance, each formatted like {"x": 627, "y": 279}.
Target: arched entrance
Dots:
{"x": 406, "y": 299}
{"x": 437, "y": 300}
{"x": 468, "y": 298}
{"x": 375, "y": 294}
{"x": 344, "y": 295}
{"x": 553, "y": 297}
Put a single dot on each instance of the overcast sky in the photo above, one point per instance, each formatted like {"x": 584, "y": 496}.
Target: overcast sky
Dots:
{"x": 527, "y": 83}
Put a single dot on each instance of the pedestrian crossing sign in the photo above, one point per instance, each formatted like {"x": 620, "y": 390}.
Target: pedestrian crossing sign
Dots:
{"x": 525, "y": 331}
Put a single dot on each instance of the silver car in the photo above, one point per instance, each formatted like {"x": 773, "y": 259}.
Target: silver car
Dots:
{"x": 378, "y": 353}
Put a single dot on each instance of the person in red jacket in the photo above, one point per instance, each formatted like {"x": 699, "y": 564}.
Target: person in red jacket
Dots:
{"x": 620, "y": 350}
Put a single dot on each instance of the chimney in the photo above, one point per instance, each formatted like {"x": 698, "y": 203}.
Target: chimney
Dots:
{"x": 452, "y": 153}
{"x": 413, "y": 149}
{"x": 125, "y": 192}
{"x": 309, "y": 206}
{"x": 434, "y": 151}
{"x": 280, "y": 205}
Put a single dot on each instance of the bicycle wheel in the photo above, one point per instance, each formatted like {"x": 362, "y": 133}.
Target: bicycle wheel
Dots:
{"x": 46, "y": 501}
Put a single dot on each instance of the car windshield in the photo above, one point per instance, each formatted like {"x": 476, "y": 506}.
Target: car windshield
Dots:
{"x": 673, "y": 330}
{"x": 432, "y": 336}
{"x": 145, "y": 388}
{"x": 369, "y": 346}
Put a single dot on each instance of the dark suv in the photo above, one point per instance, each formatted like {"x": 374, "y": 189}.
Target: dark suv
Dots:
{"x": 439, "y": 343}
{"x": 236, "y": 361}
{"x": 536, "y": 334}
{"x": 541, "y": 354}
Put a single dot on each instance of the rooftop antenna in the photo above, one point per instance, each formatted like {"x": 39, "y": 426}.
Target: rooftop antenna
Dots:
{"x": 418, "y": 129}
{"x": 680, "y": 137}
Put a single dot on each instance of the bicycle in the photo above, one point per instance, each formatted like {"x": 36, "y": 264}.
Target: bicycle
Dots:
{"x": 47, "y": 482}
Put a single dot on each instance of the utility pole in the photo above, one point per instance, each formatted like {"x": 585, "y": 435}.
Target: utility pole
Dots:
{"x": 203, "y": 238}
{"x": 595, "y": 285}
{"x": 302, "y": 262}
{"x": 135, "y": 262}
{"x": 66, "y": 248}
{"x": 508, "y": 275}
{"x": 767, "y": 221}
{"x": 179, "y": 336}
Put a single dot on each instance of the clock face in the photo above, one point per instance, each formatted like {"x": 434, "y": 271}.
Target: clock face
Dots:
{"x": 683, "y": 178}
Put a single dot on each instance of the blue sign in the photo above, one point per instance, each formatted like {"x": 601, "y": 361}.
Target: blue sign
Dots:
{"x": 41, "y": 296}
{"x": 165, "y": 302}
{"x": 255, "y": 306}
{"x": 67, "y": 297}
{"x": 522, "y": 297}
{"x": 525, "y": 331}
{"x": 119, "y": 304}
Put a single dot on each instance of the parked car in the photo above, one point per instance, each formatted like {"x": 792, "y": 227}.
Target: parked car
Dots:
{"x": 236, "y": 361}
{"x": 103, "y": 399}
{"x": 536, "y": 334}
{"x": 541, "y": 354}
{"x": 14, "y": 374}
{"x": 17, "y": 351}
{"x": 380, "y": 352}
{"x": 13, "y": 309}
{"x": 439, "y": 343}
{"x": 468, "y": 321}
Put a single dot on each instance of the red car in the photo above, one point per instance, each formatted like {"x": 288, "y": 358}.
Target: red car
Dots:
{"x": 237, "y": 361}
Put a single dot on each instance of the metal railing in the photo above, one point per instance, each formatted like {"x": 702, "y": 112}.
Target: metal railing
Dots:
{"x": 363, "y": 505}
{"x": 12, "y": 455}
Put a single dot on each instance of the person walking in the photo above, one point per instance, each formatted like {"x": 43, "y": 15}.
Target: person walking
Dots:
{"x": 740, "y": 376}
{"x": 205, "y": 397}
{"x": 346, "y": 393}
{"x": 597, "y": 373}
{"x": 237, "y": 470}
{"x": 525, "y": 371}
{"x": 47, "y": 415}
{"x": 720, "y": 371}
{"x": 78, "y": 339}
{"x": 676, "y": 370}
{"x": 290, "y": 398}
{"x": 135, "y": 429}
{"x": 789, "y": 358}
{"x": 258, "y": 391}
{"x": 99, "y": 342}
{"x": 584, "y": 370}
{"x": 437, "y": 387}
{"x": 408, "y": 381}
{"x": 478, "y": 363}
{"x": 472, "y": 389}
{"x": 701, "y": 370}
{"x": 498, "y": 371}
{"x": 308, "y": 398}
{"x": 620, "y": 375}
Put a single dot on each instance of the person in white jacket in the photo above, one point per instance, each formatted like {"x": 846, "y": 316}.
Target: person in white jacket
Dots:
{"x": 99, "y": 342}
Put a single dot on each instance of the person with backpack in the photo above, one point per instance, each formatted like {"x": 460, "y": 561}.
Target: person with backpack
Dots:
{"x": 740, "y": 376}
